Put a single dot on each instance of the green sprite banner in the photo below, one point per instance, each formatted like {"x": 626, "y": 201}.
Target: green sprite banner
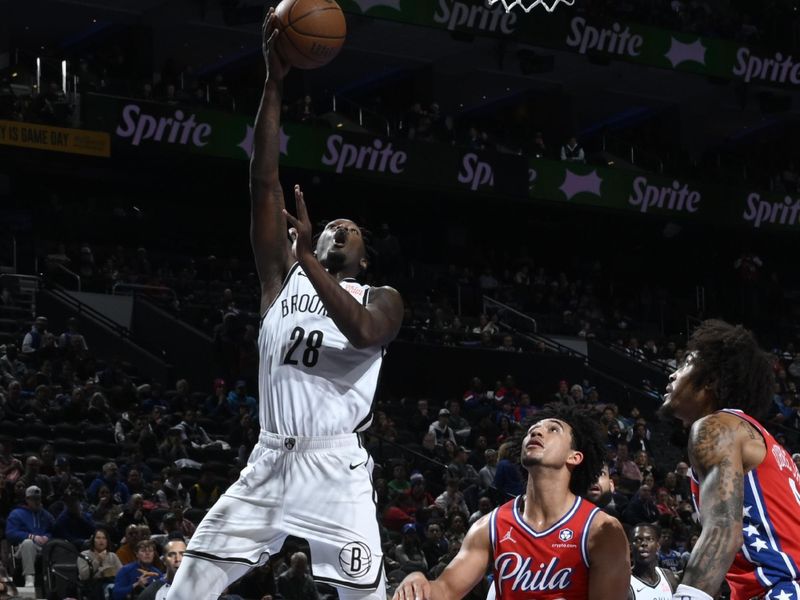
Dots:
{"x": 175, "y": 132}
{"x": 564, "y": 30}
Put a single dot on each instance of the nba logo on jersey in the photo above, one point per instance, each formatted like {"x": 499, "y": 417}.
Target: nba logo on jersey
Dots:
{"x": 565, "y": 535}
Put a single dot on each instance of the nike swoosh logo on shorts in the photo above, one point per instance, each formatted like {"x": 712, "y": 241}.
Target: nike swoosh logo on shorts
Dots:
{"x": 354, "y": 467}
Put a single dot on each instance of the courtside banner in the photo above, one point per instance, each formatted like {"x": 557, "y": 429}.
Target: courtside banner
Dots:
{"x": 55, "y": 139}
{"x": 173, "y": 132}
{"x": 567, "y": 30}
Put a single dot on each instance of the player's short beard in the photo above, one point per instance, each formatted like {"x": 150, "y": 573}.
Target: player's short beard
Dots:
{"x": 665, "y": 412}
{"x": 335, "y": 261}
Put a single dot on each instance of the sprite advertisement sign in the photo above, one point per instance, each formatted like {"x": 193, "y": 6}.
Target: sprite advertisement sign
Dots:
{"x": 172, "y": 132}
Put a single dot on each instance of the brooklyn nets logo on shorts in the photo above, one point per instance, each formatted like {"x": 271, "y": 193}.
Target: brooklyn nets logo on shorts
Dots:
{"x": 355, "y": 559}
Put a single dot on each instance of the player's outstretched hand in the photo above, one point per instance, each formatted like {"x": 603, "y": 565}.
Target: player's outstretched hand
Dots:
{"x": 300, "y": 230}
{"x": 414, "y": 587}
{"x": 277, "y": 67}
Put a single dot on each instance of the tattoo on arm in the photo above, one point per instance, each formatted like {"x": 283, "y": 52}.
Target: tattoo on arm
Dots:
{"x": 716, "y": 458}
{"x": 748, "y": 429}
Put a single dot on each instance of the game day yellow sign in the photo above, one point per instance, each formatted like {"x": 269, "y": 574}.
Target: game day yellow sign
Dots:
{"x": 56, "y": 139}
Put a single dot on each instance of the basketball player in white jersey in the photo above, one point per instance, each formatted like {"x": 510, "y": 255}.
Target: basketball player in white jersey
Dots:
{"x": 321, "y": 345}
{"x": 648, "y": 581}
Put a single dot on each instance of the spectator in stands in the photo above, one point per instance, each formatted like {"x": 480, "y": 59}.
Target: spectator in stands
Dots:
{"x": 562, "y": 395}
{"x": 487, "y": 473}
{"x": 10, "y": 467}
{"x": 641, "y": 509}
{"x": 99, "y": 412}
{"x": 32, "y": 476}
{"x": 216, "y": 405}
{"x": 109, "y": 478}
{"x": 64, "y": 483}
{"x": 428, "y": 448}
{"x": 459, "y": 468}
{"x": 603, "y": 494}
{"x": 65, "y": 340}
{"x": 239, "y": 397}
{"x": 205, "y": 492}
{"x": 409, "y": 553}
{"x": 29, "y": 527}
{"x": 133, "y": 514}
{"x": 640, "y": 440}
{"x": 399, "y": 484}
{"x": 97, "y": 566}
{"x": 507, "y": 344}
{"x": 134, "y": 462}
{"x": 524, "y": 408}
{"x": 441, "y": 428}
{"x": 420, "y": 420}
{"x": 73, "y": 524}
{"x": 11, "y": 367}
{"x": 37, "y": 339}
{"x": 172, "y": 558}
{"x": 475, "y": 397}
{"x": 484, "y": 508}
{"x": 629, "y": 473}
{"x": 172, "y": 489}
{"x": 452, "y": 499}
{"x": 668, "y": 557}
{"x": 508, "y": 392}
{"x": 47, "y": 456}
{"x": 172, "y": 449}
{"x": 665, "y": 503}
{"x": 460, "y": 426}
{"x": 135, "y": 483}
{"x": 134, "y": 577}
{"x": 539, "y": 149}
{"x": 419, "y": 499}
{"x": 296, "y": 583}
{"x": 456, "y": 527}
{"x": 127, "y": 551}
{"x": 507, "y": 478}
{"x": 182, "y": 524}
{"x": 193, "y": 434}
{"x": 435, "y": 544}
{"x": 572, "y": 151}
{"x": 682, "y": 481}
{"x": 16, "y": 406}
{"x": 107, "y": 509}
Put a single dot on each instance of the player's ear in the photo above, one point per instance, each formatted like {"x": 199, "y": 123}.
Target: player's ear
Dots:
{"x": 575, "y": 458}
{"x": 363, "y": 263}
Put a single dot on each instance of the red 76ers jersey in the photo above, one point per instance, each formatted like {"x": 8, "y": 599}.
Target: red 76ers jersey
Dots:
{"x": 770, "y": 554}
{"x": 545, "y": 565}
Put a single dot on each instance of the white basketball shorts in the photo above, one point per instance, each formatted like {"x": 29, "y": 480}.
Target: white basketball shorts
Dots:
{"x": 316, "y": 488}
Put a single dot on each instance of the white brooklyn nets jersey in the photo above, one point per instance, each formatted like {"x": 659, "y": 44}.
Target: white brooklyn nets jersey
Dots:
{"x": 312, "y": 381}
{"x": 662, "y": 590}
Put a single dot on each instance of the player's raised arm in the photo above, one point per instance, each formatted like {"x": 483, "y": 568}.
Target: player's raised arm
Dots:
{"x": 267, "y": 223}
{"x": 609, "y": 560}
{"x": 375, "y": 324}
{"x": 715, "y": 453}
{"x": 461, "y": 575}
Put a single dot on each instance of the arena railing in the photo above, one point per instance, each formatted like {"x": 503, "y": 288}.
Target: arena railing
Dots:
{"x": 147, "y": 290}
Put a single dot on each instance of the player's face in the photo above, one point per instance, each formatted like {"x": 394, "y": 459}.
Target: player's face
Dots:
{"x": 341, "y": 246}
{"x": 644, "y": 544}
{"x": 549, "y": 442}
{"x": 681, "y": 398}
{"x": 173, "y": 554}
{"x": 601, "y": 487}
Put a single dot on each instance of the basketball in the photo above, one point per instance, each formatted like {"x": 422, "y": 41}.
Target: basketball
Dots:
{"x": 312, "y": 32}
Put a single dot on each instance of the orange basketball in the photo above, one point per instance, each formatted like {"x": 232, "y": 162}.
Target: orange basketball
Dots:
{"x": 312, "y": 32}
